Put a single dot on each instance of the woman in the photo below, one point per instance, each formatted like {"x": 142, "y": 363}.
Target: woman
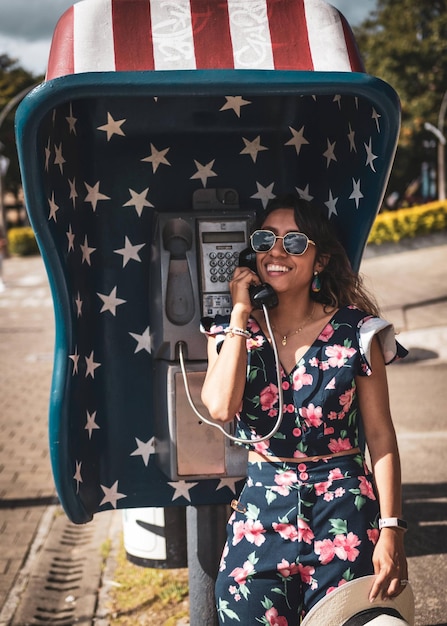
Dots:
{"x": 307, "y": 520}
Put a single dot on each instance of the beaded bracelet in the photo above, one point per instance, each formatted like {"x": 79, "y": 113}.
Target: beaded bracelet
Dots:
{"x": 234, "y": 330}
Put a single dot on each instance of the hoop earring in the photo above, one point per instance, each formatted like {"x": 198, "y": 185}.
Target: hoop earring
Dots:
{"x": 316, "y": 283}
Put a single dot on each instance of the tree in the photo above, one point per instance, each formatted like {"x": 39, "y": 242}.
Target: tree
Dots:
{"x": 13, "y": 80}
{"x": 404, "y": 42}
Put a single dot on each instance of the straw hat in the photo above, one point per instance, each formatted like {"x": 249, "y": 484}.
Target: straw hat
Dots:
{"x": 349, "y": 605}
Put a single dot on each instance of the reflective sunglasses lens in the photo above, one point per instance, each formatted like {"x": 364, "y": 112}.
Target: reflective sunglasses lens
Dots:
{"x": 295, "y": 243}
{"x": 262, "y": 240}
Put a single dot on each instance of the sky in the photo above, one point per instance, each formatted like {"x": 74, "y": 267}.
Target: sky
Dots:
{"x": 26, "y": 27}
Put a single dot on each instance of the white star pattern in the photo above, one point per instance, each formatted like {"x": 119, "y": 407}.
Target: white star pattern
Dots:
{"x": 86, "y": 251}
{"x": 91, "y": 365}
{"x": 78, "y": 303}
{"x": 47, "y": 154}
{"x": 351, "y": 138}
{"x": 331, "y": 203}
{"x": 113, "y": 127}
{"x": 264, "y": 193}
{"x": 77, "y": 475}
{"x": 356, "y": 193}
{"x": 75, "y": 358}
{"x": 253, "y": 147}
{"x": 370, "y": 157}
{"x": 304, "y": 193}
{"x": 71, "y": 237}
{"x": 329, "y": 153}
{"x": 144, "y": 449}
{"x": 111, "y": 495}
{"x": 228, "y": 482}
{"x": 53, "y": 208}
{"x": 337, "y": 99}
{"x": 157, "y": 157}
{"x": 376, "y": 117}
{"x": 93, "y": 196}
{"x": 143, "y": 341}
{"x": 73, "y": 192}
{"x": 130, "y": 252}
{"x": 182, "y": 489}
{"x": 71, "y": 121}
{"x": 234, "y": 103}
{"x": 204, "y": 171}
{"x": 59, "y": 159}
{"x": 110, "y": 302}
{"x": 91, "y": 424}
{"x": 138, "y": 200}
{"x": 298, "y": 140}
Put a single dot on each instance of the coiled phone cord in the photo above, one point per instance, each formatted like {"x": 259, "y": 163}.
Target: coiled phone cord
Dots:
{"x": 278, "y": 380}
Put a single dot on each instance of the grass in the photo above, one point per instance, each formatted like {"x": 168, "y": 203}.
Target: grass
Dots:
{"x": 146, "y": 596}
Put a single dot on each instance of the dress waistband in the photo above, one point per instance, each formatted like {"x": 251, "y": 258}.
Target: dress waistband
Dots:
{"x": 256, "y": 457}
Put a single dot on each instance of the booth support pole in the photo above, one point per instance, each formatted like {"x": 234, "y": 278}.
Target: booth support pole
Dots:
{"x": 205, "y": 529}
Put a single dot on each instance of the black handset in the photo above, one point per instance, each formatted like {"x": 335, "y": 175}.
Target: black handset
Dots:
{"x": 260, "y": 295}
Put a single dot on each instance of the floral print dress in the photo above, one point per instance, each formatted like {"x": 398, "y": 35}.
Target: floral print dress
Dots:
{"x": 300, "y": 529}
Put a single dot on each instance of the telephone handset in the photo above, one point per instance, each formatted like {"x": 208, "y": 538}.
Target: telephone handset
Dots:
{"x": 260, "y": 295}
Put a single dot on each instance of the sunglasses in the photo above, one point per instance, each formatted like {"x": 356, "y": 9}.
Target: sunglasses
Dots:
{"x": 293, "y": 243}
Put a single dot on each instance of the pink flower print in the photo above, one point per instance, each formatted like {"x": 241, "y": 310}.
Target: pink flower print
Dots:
{"x": 312, "y": 415}
{"x": 338, "y": 355}
{"x": 366, "y": 488}
{"x": 232, "y": 589}
{"x": 346, "y": 399}
{"x": 296, "y": 432}
{"x": 286, "y": 479}
{"x": 304, "y": 476}
{"x": 321, "y": 488}
{"x": 328, "y": 430}
{"x": 287, "y": 531}
{"x": 240, "y": 574}
{"x": 346, "y": 547}
{"x": 328, "y": 496}
{"x": 300, "y": 378}
{"x": 223, "y": 563}
{"x": 338, "y": 445}
{"x": 253, "y": 326}
{"x": 331, "y": 383}
{"x": 255, "y": 342}
{"x": 237, "y": 597}
{"x": 324, "y": 366}
{"x": 373, "y": 535}
{"x": 238, "y": 532}
{"x": 335, "y": 474}
{"x": 326, "y": 333}
{"x": 339, "y": 492}
{"x": 306, "y": 572}
{"x": 332, "y": 415}
{"x": 287, "y": 569}
{"x": 314, "y": 362}
{"x": 261, "y": 446}
{"x": 268, "y": 397}
{"x": 340, "y": 584}
{"x": 325, "y": 550}
{"x": 254, "y": 532}
{"x": 273, "y": 619}
{"x": 285, "y": 385}
{"x": 289, "y": 408}
{"x": 305, "y": 532}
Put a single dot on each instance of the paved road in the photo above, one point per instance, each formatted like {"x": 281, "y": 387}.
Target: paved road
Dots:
{"x": 412, "y": 290}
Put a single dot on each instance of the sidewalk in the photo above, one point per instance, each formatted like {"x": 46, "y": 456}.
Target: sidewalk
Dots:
{"x": 411, "y": 289}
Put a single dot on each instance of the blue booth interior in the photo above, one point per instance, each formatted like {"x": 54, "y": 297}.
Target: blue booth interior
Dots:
{"x": 103, "y": 156}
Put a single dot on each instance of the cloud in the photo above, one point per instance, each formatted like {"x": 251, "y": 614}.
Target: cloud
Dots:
{"x": 31, "y": 20}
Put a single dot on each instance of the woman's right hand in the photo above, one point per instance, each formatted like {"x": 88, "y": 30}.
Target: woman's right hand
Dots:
{"x": 239, "y": 285}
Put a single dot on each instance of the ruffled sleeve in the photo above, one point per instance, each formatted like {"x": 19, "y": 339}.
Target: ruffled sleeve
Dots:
{"x": 391, "y": 349}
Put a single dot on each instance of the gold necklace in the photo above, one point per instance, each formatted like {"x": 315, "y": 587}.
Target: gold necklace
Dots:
{"x": 296, "y": 332}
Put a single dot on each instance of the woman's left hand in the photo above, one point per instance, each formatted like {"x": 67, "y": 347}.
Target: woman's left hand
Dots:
{"x": 390, "y": 564}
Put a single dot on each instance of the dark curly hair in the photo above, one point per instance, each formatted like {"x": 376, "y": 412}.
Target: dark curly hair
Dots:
{"x": 340, "y": 285}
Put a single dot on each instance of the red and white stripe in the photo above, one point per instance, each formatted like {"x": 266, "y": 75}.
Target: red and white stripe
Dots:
{"x": 126, "y": 35}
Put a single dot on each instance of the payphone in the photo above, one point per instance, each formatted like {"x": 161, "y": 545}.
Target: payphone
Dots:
{"x": 193, "y": 258}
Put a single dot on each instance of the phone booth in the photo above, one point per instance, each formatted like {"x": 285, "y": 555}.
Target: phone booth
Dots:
{"x": 162, "y": 129}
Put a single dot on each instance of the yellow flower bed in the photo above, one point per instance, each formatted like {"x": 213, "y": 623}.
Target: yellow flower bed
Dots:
{"x": 392, "y": 226}
{"x": 21, "y": 241}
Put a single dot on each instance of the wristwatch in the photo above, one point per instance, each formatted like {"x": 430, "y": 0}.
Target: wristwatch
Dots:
{"x": 392, "y": 522}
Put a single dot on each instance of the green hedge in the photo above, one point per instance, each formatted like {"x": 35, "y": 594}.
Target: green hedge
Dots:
{"x": 392, "y": 226}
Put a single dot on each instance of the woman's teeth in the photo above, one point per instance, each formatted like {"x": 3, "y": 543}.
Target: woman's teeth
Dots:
{"x": 277, "y": 268}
